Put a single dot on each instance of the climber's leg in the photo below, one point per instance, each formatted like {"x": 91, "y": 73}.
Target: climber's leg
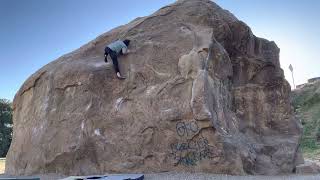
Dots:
{"x": 115, "y": 62}
{"x": 114, "y": 58}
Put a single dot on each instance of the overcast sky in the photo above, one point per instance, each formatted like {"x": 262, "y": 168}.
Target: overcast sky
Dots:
{"x": 35, "y": 32}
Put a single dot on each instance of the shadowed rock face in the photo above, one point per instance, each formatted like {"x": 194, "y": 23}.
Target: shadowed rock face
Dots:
{"x": 202, "y": 94}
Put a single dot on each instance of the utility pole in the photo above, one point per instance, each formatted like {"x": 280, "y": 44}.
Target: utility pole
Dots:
{"x": 291, "y": 69}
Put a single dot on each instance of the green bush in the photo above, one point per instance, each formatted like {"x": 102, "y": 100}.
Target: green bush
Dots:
{"x": 306, "y": 103}
{"x": 312, "y": 101}
{"x": 5, "y": 126}
{"x": 309, "y": 143}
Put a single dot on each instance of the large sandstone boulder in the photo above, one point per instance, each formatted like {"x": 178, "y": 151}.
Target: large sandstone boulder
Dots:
{"x": 202, "y": 94}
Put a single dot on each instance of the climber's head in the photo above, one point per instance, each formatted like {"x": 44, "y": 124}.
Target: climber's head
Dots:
{"x": 126, "y": 42}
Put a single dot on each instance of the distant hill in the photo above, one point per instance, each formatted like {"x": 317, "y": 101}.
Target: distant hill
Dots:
{"x": 306, "y": 102}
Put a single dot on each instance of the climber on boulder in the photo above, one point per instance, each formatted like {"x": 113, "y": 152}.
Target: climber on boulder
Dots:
{"x": 114, "y": 50}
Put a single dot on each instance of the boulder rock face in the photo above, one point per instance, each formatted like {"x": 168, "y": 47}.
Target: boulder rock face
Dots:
{"x": 202, "y": 94}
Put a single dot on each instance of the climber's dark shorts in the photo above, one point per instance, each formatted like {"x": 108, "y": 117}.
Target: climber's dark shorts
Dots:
{"x": 113, "y": 55}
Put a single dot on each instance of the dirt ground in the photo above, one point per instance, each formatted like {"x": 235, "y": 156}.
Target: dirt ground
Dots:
{"x": 2, "y": 165}
{"x": 198, "y": 176}
{"x": 178, "y": 176}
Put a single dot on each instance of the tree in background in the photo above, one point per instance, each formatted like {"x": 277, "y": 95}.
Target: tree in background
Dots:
{"x": 5, "y": 126}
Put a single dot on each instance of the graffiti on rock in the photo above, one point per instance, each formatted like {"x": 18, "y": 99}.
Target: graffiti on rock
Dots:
{"x": 191, "y": 151}
{"x": 186, "y": 129}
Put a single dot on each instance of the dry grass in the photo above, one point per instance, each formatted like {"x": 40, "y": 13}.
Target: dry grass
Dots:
{"x": 2, "y": 165}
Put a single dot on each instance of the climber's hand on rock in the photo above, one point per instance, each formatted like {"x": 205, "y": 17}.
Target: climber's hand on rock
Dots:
{"x": 127, "y": 52}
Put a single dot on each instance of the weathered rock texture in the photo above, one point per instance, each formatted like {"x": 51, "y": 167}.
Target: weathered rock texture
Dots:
{"x": 202, "y": 94}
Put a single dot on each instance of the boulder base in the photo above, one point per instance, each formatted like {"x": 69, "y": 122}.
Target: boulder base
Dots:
{"x": 308, "y": 167}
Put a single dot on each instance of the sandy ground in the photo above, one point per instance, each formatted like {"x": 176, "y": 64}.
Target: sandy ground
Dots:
{"x": 201, "y": 176}
{"x": 2, "y": 165}
{"x": 197, "y": 176}
{"x": 178, "y": 176}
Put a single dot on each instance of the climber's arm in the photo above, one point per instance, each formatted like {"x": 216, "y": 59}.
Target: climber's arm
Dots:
{"x": 105, "y": 57}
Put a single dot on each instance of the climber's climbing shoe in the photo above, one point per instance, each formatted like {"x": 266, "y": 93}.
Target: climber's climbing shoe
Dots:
{"x": 119, "y": 76}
